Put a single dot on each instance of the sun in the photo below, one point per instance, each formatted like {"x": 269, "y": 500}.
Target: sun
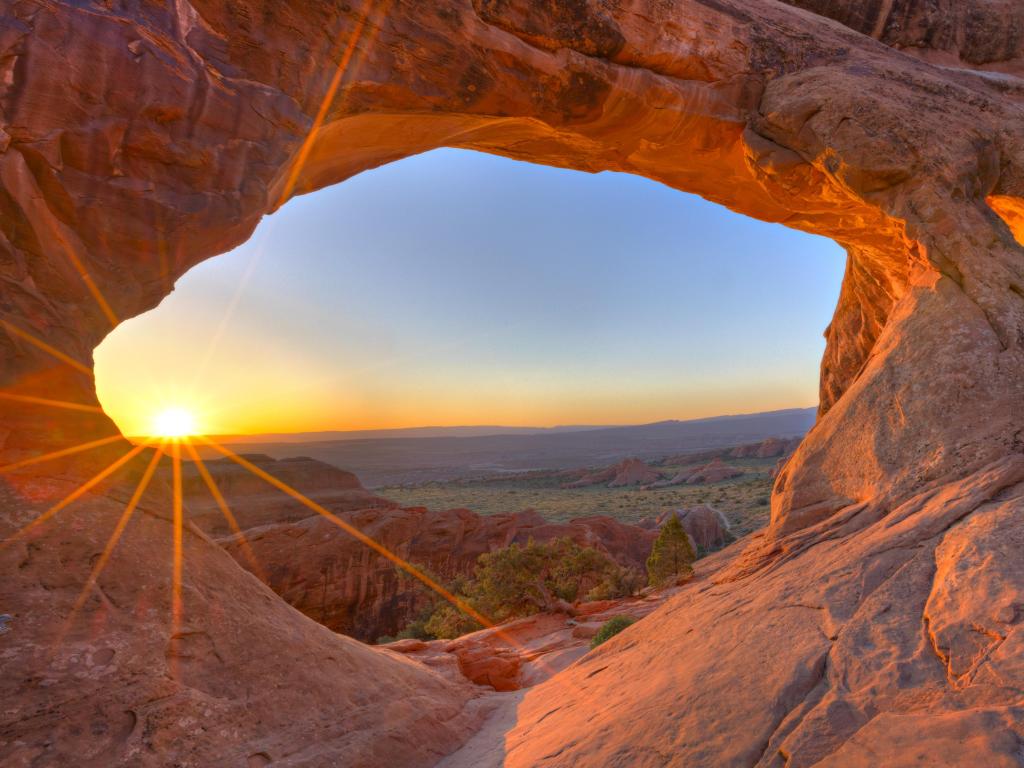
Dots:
{"x": 174, "y": 422}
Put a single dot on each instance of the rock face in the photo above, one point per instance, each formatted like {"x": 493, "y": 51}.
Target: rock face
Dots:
{"x": 221, "y": 688}
{"x": 329, "y": 576}
{"x": 137, "y": 139}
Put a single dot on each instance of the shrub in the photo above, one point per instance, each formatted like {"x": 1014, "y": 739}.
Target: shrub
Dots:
{"x": 620, "y": 582}
{"x": 448, "y": 622}
{"x": 672, "y": 555}
{"x": 611, "y": 628}
{"x": 521, "y": 580}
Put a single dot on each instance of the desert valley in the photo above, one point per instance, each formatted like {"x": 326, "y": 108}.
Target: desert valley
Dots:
{"x": 253, "y": 251}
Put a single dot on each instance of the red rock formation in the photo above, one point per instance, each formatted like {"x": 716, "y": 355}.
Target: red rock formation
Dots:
{"x": 766, "y": 449}
{"x": 525, "y": 652}
{"x": 332, "y": 578}
{"x": 627, "y": 472}
{"x": 714, "y": 471}
{"x": 223, "y": 688}
{"x": 633, "y": 472}
{"x": 253, "y": 502}
{"x": 137, "y": 139}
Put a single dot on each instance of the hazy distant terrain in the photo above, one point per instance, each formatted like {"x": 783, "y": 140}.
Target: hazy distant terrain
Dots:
{"x": 439, "y": 454}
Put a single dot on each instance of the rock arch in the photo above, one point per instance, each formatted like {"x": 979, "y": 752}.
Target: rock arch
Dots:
{"x": 139, "y": 139}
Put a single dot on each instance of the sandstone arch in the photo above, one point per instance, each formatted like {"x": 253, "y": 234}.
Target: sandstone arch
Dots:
{"x": 893, "y": 128}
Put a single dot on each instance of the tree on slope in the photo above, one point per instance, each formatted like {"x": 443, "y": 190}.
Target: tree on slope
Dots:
{"x": 672, "y": 555}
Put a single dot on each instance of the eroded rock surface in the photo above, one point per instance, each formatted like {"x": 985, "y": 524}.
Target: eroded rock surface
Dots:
{"x": 240, "y": 674}
{"x": 137, "y": 139}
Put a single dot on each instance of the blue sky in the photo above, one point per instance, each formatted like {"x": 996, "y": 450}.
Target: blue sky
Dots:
{"x": 461, "y": 288}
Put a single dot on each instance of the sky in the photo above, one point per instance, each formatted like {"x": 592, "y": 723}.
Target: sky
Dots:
{"x": 458, "y": 288}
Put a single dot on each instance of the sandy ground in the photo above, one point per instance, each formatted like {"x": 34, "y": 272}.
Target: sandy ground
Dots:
{"x": 487, "y": 747}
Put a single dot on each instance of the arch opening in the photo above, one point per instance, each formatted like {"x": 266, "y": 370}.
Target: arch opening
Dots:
{"x": 461, "y": 289}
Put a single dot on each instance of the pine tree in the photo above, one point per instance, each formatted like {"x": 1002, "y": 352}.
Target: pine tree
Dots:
{"x": 672, "y": 554}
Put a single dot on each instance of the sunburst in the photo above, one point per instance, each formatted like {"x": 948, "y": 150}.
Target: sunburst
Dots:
{"x": 176, "y": 427}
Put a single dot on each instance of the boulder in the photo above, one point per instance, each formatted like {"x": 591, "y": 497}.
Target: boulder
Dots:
{"x": 706, "y": 526}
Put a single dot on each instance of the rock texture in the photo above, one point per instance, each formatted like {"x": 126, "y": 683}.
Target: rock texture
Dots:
{"x": 526, "y": 652}
{"x": 137, "y": 139}
{"x": 121, "y": 685}
{"x": 334, "y": 579}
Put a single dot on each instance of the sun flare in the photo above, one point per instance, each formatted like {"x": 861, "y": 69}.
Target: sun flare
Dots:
{"x": 174, "y": 422}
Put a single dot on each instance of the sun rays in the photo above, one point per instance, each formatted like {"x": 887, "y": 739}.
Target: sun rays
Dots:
{"x": 350, "y": 529}
{"x": 218, "y": 497}
{"x": 72, "y": 497}
{"x": 49, "y": 349}
{"x": 174, "y": 430}
{"x": 173, "y": 446}
{"x": 53, "y": 455}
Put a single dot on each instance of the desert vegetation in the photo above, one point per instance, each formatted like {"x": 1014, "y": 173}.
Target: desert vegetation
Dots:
{"x": 610, "y": 629}
{"x": 672, "y": 555}
{"x": 743, "y": 499}
{"x": 521, "y": 580}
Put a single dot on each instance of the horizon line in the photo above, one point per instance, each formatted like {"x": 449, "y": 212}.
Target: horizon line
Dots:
{"x": 580, "y": 427}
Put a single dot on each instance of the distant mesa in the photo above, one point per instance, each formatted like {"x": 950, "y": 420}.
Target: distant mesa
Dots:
{"x": 255, "y": 503}
{"x": 766, "y": 449}
{"x": 714, "y": 471}
{"x": 626, "y": 473}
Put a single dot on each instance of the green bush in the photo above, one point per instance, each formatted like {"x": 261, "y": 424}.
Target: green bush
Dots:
{"x": 521, "y": 580}
{"x": 537, "y": 577}
{"x": 448, "y": 622}
{"x": 611, "y": 628}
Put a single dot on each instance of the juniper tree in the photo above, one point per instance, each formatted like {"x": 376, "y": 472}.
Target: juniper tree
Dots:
{"x": 672, "y": 555}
